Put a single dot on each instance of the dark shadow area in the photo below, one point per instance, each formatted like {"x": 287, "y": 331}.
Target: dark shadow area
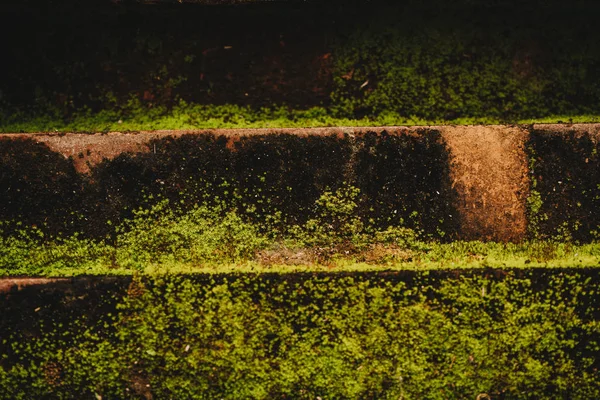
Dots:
{"x": 567, "y": 177}
{"x": 503, "y": 59}
{"x": 403, "y": 180}
{"x": 104, "y": 54}
{"x": 288, "y": 173}
{"x": 194, "y": 166}
{"x": 40, "y": 187}
{"x": 73, "y": 304}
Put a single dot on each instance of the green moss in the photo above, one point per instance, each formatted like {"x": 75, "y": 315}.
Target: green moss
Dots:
{"x": 214, "y": 241}
{"x": 444, "y": 67}
{"x": 190, "y": 116}
{"x": 212, "y": 237}
{"x": 412, "y": 335}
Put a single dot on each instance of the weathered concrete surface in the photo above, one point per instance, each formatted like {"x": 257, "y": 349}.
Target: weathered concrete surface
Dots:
{"x": 490, "y": 175}
{"x": 593, "y": 130}
{"x": 88, "y": 150}
{"x": 489, "y": 169}
{"x": 8, "y": 285}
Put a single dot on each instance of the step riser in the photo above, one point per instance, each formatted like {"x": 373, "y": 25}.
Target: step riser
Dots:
{"x": 481, "y": 174}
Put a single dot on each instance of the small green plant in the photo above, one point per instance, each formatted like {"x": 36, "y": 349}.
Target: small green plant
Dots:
{"x": 534, "y": 201}
{"x": 201, "y": 235}
{"x": 338, "y": 229}
{"x": 335, "y": 223}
